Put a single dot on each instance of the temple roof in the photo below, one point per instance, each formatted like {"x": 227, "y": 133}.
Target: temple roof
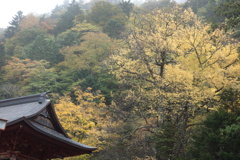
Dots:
{"x": 14, "y": 111}
{"x": 33, "y": 110}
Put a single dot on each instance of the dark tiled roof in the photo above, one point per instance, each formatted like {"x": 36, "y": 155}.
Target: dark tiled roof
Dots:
{"x": 17, "y": 111}
{"x": 16, "y": 108}
{"x": 24, "y": 108}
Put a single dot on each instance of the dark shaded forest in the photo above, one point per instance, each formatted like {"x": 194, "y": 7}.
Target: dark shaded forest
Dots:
{"x": 156, "y": 81}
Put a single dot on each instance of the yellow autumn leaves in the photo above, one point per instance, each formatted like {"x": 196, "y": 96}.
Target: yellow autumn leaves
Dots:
{"x": 171, "y": 65}
{"x": 82, "y": 117}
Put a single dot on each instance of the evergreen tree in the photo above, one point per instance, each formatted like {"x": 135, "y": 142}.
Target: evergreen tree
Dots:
{"x": 164, "y": 140}
{"x": 67, "y": 19}
{"x": 114, "y": 28}
{"x": 11, "y": 30}
{"x": 110, "y": 17}
{"x": 127, "y": 7}
{"x": 230, "y": 9}
{"x": 218, "y": 137}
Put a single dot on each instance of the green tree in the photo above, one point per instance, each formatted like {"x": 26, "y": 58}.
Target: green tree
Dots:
{"x": 44, "y": 47}
{"x": 114, "y": 28}
{"x": 110, "y": 17}
{"x": 127, "y": 7}
{"x": 87, "y": 64}
{"x": 164, "y": 141}
{"x": 15, "y": 45}
{"x": 101, "y": 12}
{"x": 230, "y": 99}
{"x": 58, "y": 11}
{"x": 217, "y": 138}
{"x": 66, "y": 20}
{"x": 45, "y": 80}
{"x": 206, "y": 9}
{"x": 229, "y": 9}
{"x": 11, "y": 30}
{"x": 101, "y": 80}
{"x": 71, "y": 36}
{"x": 208, "y": 13}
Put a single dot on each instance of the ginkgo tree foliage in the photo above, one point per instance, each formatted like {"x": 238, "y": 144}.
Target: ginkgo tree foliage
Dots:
{"x": 82, "y": 116}
{"x": 85, "y": 119}
{"x": 171, "y": 66}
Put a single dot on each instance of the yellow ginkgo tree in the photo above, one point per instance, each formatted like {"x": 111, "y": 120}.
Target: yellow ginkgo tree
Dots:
{"x": 86, "y": 118}
{"x": 79, "y": 119}
{"x": 172, "y": 65}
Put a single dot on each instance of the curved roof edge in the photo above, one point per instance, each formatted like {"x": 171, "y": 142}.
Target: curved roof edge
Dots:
{"x": 31, "y": 111}
{"x": 55, "y": 135}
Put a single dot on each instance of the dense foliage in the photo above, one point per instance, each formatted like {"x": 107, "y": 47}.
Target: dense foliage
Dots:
{"x": 217, "y": 138}
{"x": 155, "y": 81}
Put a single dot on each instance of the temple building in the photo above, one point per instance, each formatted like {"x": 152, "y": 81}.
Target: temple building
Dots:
{"x": 33, "y": 131}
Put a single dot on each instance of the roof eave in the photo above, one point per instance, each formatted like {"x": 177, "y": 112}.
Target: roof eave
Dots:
{"x": 87, "y": 149}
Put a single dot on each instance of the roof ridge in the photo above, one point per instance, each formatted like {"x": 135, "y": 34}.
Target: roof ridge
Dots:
{"x": 41, "y": 97}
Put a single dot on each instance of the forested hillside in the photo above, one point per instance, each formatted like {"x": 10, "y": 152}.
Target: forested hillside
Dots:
{"x": 156, "y": 81}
